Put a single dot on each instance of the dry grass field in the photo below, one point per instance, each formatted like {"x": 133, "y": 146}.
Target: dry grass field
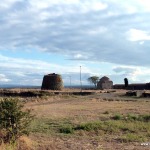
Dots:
{"x": 100, "y": 121}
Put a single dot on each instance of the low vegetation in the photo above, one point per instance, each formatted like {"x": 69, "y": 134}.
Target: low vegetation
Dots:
{"x": 127, "y": 128}
{"x": 13, "y": 121}
{"x": 103, "y": 120}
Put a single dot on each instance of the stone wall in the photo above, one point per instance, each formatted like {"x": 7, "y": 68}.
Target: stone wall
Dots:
{"x": 137, "y": 86}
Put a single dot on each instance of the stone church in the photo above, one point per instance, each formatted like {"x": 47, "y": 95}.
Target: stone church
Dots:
{"x": 105, "y": 83}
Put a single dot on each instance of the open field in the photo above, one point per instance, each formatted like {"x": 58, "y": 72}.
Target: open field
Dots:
{"x": 98, "y": 121}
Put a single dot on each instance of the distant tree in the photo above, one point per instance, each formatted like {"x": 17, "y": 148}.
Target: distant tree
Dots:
{"x": 126, "y": 82}
{"x": 93, "y": 80}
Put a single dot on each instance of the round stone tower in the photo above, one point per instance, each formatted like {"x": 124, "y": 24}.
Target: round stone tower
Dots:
{"x": 52, "y": 82}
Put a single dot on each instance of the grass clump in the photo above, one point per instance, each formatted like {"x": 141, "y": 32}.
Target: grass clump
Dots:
{"x": 49, "y": 126}
{"x": 43, "y": 125}
{"x": 8, "y": 146}
{"x": 68, "y": 129}
{"x": 130, "y": 137}
{"x": 117, "y": 117}
{"x": 106, "y": 112}
{"x": 84, "y": 126}
{"x": 89, "y": 126}
{"x": 132, "y": 117}
{"x": 145, "y": 118}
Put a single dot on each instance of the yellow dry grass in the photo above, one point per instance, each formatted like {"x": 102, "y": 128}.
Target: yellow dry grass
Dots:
{"x": 60, "y": 107}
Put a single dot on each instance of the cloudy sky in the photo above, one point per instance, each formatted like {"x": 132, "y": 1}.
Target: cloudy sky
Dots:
{"x": 104, "y": 37}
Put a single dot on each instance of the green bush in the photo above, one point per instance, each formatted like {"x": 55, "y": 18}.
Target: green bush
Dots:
{"x": 132, "y": 117}
{"x": 13, "y": 121}
{"x": 117, "y": 117}
{"x": 145, "y": 118}
{"x": 89, "y": 126}
{"x": 67, "y": 129}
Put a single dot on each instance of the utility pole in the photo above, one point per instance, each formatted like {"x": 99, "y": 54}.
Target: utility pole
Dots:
{"x": 80, "y": 80}
{"x": 70, "y": 81}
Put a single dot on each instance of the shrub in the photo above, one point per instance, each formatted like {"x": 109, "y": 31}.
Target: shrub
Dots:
{"x": 67, "y": 129}
{"x": 13, "y": 121}
{"x": 132, "y": 117}
{"x": 117, "y": 117}
{"x": 106, "y": 112}
{"x": 145, "y": 117}
{"x": 89, "y": 126}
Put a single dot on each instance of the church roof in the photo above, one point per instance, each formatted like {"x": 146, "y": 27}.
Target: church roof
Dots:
{"x": 103, "y": 79}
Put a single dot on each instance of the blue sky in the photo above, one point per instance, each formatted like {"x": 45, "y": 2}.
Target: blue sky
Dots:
{"x": 104, "y": 37}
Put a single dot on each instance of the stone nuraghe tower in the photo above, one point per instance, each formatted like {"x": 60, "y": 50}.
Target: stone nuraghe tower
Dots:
{"x": 52, "y": 82}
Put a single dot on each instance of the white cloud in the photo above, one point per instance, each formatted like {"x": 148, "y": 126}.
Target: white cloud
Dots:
{"x": 8, "y": 3}
{"x": 4, "y": 79}
{"x": 47, "y": 3}
{"x": 92, "y": 6}
{"x": 31, "y": 72}
{"x": 60, "y": 7}
{"x": 144, "y": 5}
{"x": 78, "y": 56}
{"x": 135, "y": 74}
{"x": 141, "y": 43}
{"x": 96, "y": 31}
{"x": 87, "y": 30}
{"x": 138, "y": 35}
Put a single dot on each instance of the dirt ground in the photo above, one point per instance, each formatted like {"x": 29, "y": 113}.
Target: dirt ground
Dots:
{"x": 88, "y": 107}
{"x": 85, "y": 109}
{"x": 80, "y": 109}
